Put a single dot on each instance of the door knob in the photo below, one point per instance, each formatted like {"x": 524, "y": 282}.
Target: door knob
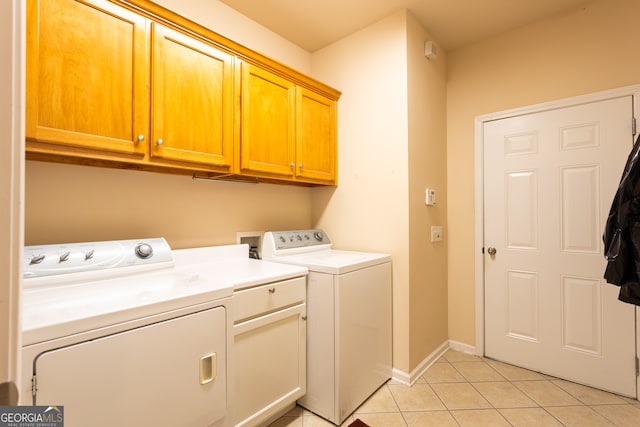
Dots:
{"x": 491, "y": 251}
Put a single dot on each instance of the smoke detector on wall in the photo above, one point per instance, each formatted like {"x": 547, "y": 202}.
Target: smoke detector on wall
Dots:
{"x": 431, "y": 50}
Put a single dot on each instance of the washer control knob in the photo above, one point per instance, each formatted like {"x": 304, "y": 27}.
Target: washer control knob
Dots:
{"x": 282, "y": 239}
{"x": 144, "y": 250}
{"x": 89, "y": 254}
{"x": 37, "y": 259}
{"x": 65, "y": 256}
{"x": 319, "y": 236}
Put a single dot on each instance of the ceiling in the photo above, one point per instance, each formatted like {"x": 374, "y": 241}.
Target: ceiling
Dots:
{"x": 313, "y": 24}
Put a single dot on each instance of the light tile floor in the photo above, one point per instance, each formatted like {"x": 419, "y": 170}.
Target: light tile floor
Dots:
{"x": 466, "y": 390}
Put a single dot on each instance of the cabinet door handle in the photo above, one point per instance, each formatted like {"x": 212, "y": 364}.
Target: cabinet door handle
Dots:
{"x": 208, "y": 368}
{"x": 140, "y": 138}
{"x": 292, "y": 165}
{"x": 272, "y": 290}
{"x": 159, "y": 141}
{"x": 300, "y": 165}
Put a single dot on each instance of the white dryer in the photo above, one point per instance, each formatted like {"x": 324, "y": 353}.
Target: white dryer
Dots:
{"x": 349, "y": 342}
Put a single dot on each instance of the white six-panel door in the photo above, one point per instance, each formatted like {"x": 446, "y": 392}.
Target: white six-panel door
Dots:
{"x": 549, "y": 179}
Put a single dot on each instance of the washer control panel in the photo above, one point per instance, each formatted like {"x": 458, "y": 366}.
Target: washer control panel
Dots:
{"x": 299, "y": 238}
{"x": 49, "y": 260}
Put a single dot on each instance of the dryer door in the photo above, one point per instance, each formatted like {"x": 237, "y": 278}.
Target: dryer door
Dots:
{"x": 166, "y": 374}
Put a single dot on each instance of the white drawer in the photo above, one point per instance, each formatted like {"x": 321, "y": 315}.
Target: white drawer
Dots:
{"x": 256, "y": 301}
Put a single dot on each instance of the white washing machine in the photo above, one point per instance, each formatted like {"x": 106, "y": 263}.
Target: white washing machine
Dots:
{"x": 349, "y": 342}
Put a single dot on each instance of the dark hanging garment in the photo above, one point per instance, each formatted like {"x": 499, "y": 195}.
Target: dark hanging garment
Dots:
{"x": 622, "y": 232}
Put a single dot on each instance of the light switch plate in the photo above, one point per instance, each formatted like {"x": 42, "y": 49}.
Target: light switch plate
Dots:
{"x": 430, "y": 197}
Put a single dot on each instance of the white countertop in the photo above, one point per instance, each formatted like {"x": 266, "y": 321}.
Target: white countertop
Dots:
{"x": 199, "y": 275}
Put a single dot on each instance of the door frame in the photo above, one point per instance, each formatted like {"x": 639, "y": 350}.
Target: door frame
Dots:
{"x": 480, "y": 121}
{"x": 12, "y": 80}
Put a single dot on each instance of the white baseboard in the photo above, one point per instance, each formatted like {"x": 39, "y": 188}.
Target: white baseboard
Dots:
{"x": 411, "y": 378}
{"x": 465, "y": 348}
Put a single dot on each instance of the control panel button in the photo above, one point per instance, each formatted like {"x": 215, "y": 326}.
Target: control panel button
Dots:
{"x": 37, "y": 259}
{"x": 144, "y": 250}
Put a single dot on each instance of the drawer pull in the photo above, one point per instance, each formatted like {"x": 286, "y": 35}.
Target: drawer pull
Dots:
{"x": 207, "y": 368}
{"x": 272, "y": 290}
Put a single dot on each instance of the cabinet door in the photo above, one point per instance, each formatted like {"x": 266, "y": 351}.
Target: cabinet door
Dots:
{"x": 268, "y": 122}
{"x": 270, "y": 364}
{"x": 315, "y": 136}
{"x": 192, "y": 110}
{"x": 87, "y": 74}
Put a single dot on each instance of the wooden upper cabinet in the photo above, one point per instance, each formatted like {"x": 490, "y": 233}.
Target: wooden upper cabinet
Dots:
{"x": 287, "y": 130}
{"x": 87, "y": 75}
{"x": 192, "y": 100}
{"x": 130, "y": 84}
{"x": 316, "y": 143}
{"x": 268, "y": 122}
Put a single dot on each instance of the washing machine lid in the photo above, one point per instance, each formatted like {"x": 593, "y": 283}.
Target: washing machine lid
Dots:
{"x": 335, "y": 261}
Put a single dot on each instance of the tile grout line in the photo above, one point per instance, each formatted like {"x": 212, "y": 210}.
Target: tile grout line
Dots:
{"x": 572, "y": 390}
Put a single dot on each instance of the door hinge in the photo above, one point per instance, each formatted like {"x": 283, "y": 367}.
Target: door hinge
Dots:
{"x": 633, "y": 126}
{"x": 637, "y": 367}
{"x": 34, "y": 388}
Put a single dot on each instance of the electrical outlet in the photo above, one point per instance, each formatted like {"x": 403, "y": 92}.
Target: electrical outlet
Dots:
{"x": 436, "y": 233}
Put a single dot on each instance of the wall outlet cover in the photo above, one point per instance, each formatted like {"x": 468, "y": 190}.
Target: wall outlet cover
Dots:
{"x": 436, "y": 233}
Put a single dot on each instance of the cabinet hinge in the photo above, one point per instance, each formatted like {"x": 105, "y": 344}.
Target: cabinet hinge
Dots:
{"x": 633, "y": 126}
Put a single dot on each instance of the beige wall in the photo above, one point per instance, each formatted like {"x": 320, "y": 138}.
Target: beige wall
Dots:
{"x": 391, "y": 147}
{"x": 427, "y": 159}
{"x": 368, "y": 210}
{"x": 586, "y": 50}
{"x": 80, "y": 203}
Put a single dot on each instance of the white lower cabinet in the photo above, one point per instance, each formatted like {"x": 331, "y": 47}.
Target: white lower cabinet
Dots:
{"x": 269, "y": 350}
